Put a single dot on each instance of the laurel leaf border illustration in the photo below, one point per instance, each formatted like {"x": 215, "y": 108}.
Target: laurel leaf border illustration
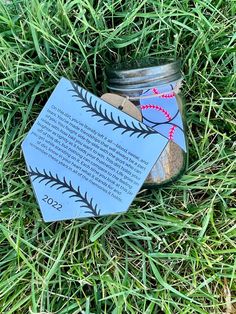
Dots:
{"x": 54, "y": 181}
{"x": 107, "y": 117}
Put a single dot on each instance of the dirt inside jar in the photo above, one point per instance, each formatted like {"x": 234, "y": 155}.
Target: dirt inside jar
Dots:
{"x": 168, "y": 165}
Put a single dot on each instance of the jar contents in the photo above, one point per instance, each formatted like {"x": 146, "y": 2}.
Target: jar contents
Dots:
{"x": 154, "y": 90}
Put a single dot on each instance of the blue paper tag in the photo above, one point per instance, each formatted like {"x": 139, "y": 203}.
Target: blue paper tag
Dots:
{"x": 85, "y": 157}
{"x": 162, "y": 113}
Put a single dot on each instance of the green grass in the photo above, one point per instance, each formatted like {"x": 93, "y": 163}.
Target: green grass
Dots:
{"x": 174, "y": 250}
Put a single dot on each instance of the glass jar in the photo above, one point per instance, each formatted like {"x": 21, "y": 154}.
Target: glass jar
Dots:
{"x": 154, "y": 87}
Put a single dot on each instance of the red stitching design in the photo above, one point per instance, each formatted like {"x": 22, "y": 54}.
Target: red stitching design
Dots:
{"x": 169, "y": 95}
{"x": 159, "y": 108}
{"x": 167, "y": 115}
{"x": 155, "y": 91}
{"x": 171, "y": 132}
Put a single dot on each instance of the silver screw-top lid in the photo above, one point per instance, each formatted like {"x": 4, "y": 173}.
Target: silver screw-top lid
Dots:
{"x": 138, "y": 74}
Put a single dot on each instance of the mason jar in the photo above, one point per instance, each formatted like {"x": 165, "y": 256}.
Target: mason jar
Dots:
{"x": 153, "y": 86}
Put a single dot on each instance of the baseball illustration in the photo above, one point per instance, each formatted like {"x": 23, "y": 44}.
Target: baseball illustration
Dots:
{"x": 161, "y": 112}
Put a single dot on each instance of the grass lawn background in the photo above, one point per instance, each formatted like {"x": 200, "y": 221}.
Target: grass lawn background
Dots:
{"x": 174, "y": 250}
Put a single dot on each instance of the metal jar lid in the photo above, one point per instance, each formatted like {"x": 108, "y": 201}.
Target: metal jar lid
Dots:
{"x": 143, "y": 73}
